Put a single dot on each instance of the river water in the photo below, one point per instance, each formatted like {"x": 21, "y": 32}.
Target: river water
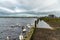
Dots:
{"x": 7, "y": 30}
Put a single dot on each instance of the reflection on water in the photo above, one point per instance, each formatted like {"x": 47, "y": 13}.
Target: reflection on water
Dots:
{"x": 43, "y": 24}
{"x": 7, "y": 30}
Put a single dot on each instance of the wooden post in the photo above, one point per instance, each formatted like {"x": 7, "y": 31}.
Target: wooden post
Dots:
{"x": 35, "y": 24}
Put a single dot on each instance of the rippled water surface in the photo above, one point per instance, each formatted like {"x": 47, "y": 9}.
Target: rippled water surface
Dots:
{"x": 7, "y": 30}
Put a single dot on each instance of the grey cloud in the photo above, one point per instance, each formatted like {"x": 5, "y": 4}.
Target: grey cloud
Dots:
{"x": 30, "y": 4}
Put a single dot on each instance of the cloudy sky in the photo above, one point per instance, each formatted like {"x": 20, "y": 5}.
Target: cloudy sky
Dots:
{"x": 29, "y": 5}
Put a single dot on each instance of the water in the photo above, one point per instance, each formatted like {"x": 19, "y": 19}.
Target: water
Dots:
{"x": 13, "y": 21}
{"x": 6, "y": 30}
{"x": 24, "y": 14}
{"x": 43, "y": 24}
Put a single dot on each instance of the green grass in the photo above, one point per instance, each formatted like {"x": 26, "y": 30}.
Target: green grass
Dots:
{"x": 53, "y": 22}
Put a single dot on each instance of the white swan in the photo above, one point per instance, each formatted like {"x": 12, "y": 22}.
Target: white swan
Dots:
{"x": 21, "y": 37}
{"x": 24, "y": 29}
{"x": 8, "y": 37}
{"x": 28, "y": 25}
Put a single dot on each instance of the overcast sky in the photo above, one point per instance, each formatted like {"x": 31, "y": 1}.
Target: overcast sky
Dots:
{"x": 23, "y": 5}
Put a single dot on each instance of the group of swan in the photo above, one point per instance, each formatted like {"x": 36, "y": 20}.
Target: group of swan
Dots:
{"x": 21, "y": 35}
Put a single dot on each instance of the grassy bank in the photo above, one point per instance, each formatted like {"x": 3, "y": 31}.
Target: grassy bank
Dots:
{"x": 29, "y": 34}
{"x": 53, "y": 22}
{"x": 46, "y": 34}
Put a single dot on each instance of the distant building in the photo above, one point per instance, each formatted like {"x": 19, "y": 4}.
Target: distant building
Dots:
{"x": 51, "y": 16}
